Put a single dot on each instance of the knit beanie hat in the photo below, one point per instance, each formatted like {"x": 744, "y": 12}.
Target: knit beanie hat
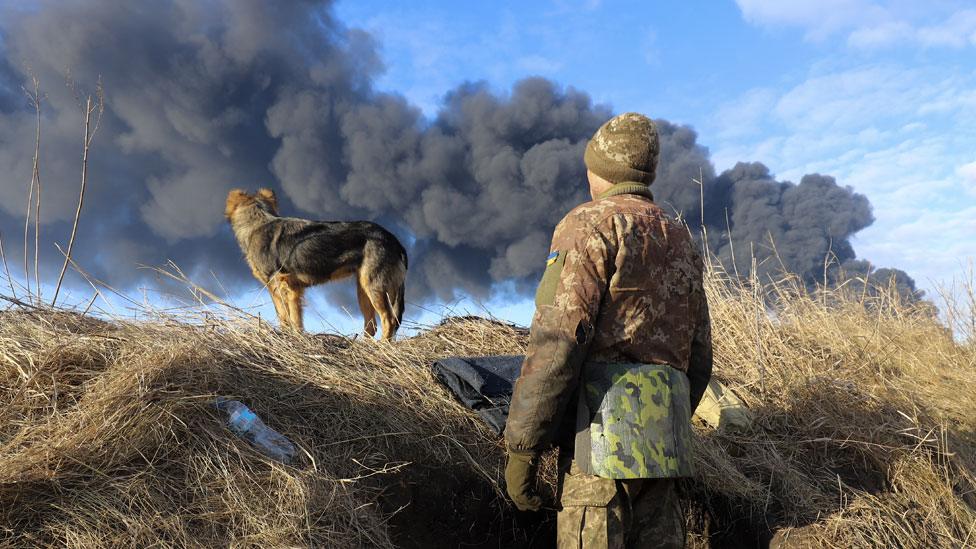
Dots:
{"x": 625, "y": 148}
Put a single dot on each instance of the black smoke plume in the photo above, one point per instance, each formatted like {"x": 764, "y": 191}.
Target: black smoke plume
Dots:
{"x": 205, "y": 96}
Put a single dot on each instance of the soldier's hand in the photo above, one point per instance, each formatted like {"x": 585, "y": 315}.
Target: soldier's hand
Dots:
{"x": 520, "y": 475}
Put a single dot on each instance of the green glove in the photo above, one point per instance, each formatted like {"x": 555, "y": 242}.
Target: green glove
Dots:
{"x": 520, "y": 480}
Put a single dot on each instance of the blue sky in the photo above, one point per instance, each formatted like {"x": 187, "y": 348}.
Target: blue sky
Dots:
{"x": 880, "y": 94}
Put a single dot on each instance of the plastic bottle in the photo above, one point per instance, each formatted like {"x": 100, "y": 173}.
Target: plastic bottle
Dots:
{"x": 247, "y": 425}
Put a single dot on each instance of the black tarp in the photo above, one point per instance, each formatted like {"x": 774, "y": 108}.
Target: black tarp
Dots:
{"x": 482, "y": 383}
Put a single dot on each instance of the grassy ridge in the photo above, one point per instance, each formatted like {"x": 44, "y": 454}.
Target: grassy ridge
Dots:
{"x": 864, "y": 432}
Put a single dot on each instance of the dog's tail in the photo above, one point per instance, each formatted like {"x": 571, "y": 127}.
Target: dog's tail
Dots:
{"x": 399, "y": 303}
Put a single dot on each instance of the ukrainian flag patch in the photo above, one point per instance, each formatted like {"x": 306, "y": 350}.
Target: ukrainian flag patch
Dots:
{"x": 546, "y": 294}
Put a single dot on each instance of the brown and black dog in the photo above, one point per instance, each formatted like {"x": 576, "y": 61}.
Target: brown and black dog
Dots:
{"x": 289, "y": 254}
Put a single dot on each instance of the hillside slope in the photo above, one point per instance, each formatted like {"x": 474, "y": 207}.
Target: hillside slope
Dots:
{"x": 864, "y": 433}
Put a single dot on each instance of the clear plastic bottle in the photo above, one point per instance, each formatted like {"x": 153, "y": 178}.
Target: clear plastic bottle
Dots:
{"x": 247, "y": 425}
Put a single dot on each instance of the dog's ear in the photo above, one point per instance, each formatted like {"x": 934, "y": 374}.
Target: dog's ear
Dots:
{"x": 268, "y": 196}
{"x": 235, "y": 199}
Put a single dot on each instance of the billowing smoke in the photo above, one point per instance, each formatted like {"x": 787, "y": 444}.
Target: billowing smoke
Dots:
{"x": 205, "y": 96}
{"x": 480, "y": 187}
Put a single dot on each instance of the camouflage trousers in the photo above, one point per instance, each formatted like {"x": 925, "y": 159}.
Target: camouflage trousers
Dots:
{"x": 600, "y": 513}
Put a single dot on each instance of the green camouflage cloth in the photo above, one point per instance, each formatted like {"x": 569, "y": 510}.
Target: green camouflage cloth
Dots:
{"x": 640, "y": 424}
{"x": 600, "y": 513}
{"x": 721, "y": 409}
{"x": 622, "y": 284}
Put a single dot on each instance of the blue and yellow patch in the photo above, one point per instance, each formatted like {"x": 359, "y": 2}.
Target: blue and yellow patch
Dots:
{"x": 546, "y": 293}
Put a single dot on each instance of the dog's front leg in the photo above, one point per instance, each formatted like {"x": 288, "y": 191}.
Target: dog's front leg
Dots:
{"x": 290, "y": 292}
{"x": 278, "y": 297}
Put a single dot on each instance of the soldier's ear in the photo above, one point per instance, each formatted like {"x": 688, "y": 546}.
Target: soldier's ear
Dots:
{"x": 268, "y": 196}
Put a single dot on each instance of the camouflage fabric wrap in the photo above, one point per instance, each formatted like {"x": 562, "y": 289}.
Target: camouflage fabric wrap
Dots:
{"x": 634, "y": 421}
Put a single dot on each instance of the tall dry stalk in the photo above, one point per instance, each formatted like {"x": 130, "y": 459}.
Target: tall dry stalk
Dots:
{"x": 728, "y": 229}
{"x": 90, "y": 128}
{"x": 34, "y": 199}
{"x": 759, "y": 308}
{"x": 701, "y": 209}
{"x": 37, "y": 179}
{"x": 6, "y": 271}
{"x": 27, "y": 218}
{"x": 958, "y": 304}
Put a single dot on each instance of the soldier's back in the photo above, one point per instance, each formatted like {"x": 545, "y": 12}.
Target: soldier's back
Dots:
{"x": 651, "y": 305}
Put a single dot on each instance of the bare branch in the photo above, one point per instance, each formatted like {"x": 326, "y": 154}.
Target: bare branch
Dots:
{"x": 90, "y": 128}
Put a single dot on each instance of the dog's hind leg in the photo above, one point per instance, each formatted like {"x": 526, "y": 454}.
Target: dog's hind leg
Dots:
{"x": 385, "y": 297}
{"x": 296, "y": 293}
{"x": 393, "y": 299}
{"x": 388, "y": 318}
{"x": 380, "y": 298}
{"x": 381, "y": 277}
{"x": 366, "y": 307}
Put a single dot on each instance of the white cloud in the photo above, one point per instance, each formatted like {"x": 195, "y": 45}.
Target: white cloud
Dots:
{"x": 538, "y": 64}
{"x": 849, "y": 98}
{"x": 797, "y": 12}
{"x": 928, "y": 244}
{"x": 559, "y": 6}
{"x": 878, "y": 36}
{"x": 968, "y": 174}
{"x": 957, "y": 31}
{"x": 835, "y": 113}
{"x": 820, "y": 18}
{"x": 869, "y": 24}
{"x": 649, "y": 48}
{"x": 900, "y": 135}
{"x": 745, "y": 115}
{"x": 968, "y": 171}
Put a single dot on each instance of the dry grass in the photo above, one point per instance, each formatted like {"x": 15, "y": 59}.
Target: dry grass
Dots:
{"x": 864, "y": 435}
{"x": 865, "y": 429}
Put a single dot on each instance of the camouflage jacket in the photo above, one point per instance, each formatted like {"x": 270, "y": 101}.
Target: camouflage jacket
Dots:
{"x": 623, "y": 283}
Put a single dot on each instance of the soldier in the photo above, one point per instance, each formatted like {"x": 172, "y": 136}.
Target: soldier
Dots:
{"x": 619, "y": 355}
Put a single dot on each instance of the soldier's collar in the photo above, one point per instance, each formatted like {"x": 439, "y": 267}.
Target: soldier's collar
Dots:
{"x": 627, "y": 188}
